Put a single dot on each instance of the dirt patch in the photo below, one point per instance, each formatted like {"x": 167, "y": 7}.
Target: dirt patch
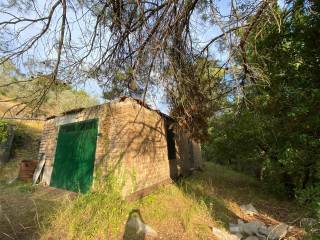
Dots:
{"x": 25, "y": 209}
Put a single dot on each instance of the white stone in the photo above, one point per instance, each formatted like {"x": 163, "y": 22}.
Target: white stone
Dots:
{"x": 277, "y": 232}
{"x": 249, "y": 209}
{"x": 252, "y": 238}
{"x": 252, "y": 228}
{"x": 224, "y": 235}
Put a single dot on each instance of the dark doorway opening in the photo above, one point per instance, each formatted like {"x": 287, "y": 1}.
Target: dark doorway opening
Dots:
{"x": 171, "y": 147}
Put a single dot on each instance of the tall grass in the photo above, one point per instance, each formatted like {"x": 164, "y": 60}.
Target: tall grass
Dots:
{"x": 102, "y": 215}
{"x": 183, "y": 210}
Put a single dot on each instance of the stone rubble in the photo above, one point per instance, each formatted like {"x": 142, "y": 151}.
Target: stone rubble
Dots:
{"x": 249, "y": 209}
{"x": 135, "y": 227}
{"x": 252, "y": 238}
{"x": 224, "y": 235}
{"x": 252, "y": 230}
{"x": 258, "y": 230}
{"x": 276, "y": 232}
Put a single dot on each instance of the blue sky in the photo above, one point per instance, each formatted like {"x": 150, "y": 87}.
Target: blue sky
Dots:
{"x": 202, "y": 31}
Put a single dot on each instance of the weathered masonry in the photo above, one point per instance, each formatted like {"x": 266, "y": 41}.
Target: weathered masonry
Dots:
{"x": 124, "y": 139}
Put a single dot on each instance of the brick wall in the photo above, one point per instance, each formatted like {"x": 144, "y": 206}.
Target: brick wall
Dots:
{"x": 51, "y": 129}
{"x": 137, "y": 147}
{"x": 188, "y": 152}
{"x": 131, "y": 145}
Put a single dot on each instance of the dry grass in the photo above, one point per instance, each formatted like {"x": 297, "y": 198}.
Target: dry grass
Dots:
{"x": 225, "y": 190}
{"x": 103, "y": 215}
{"x": 184, "y": 210}
{"x": 181, "y": 211}
{"x": 25, "y": 210}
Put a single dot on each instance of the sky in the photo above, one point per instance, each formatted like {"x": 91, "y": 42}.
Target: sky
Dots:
{"x": 202, "y": 31}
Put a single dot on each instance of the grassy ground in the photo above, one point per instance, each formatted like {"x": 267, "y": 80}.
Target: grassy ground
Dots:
{"x": 184, "y": 210}
{"x": 24, "y": 210}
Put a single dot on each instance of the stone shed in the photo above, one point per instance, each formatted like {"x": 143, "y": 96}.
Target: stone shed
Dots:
{"x": 125, "y": 139}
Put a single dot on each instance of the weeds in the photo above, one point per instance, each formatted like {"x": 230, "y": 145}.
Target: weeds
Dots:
{"x": 184, "y": 210}
{"x": 103, "y": 214}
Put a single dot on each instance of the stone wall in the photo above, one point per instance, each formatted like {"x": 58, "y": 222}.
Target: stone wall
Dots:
{"x": 184, "y": 152}
{"x": 196, "y": 148}
{"x": 188, "y": 153}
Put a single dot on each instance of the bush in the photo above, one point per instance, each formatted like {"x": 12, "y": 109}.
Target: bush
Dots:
{"x": 3, "y": 131}
{"x": 276, "y": 134}
{"x": 310, "y": 197}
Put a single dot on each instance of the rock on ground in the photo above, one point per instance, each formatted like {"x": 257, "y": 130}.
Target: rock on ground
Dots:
{"x": 249, "y": 209}
{"x": 224, "y": 235}
{"x": 277, "y": 232}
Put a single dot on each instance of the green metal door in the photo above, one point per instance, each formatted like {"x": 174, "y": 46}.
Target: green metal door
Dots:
{"x": 75, "y": 154}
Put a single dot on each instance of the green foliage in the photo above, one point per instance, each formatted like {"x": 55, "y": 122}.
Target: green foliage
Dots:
{"x": 124, "y": 83}
{"x": 233, "y": 140}
{"x": 198, "y": 92}
{"x": 3, "y": 131}
{"x": 276, "y": 136}
{"x": 310, "y": 196}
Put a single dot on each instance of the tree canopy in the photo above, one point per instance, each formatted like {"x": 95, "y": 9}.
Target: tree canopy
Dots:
{"x": 275, "y": 134}
{"x": 131, "y": 46}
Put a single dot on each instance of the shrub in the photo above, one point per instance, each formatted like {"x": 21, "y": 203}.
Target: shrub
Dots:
{"x": 3, "y": 131}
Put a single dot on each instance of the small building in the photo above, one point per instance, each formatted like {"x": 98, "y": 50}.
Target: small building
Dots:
{"x": 125, "y": 139}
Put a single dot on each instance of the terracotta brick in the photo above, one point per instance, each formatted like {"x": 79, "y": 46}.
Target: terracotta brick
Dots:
{"x": 131, "y": 143}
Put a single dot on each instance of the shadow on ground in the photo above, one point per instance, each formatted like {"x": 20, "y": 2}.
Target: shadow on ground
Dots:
{"x": 223, "y": 191}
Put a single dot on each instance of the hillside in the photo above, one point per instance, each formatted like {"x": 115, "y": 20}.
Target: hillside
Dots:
{"x": 236, "y": 157}
{"x": 25, "y": 97}
{"x": 184, "y": 210}
{"x": 25, "y": 146}
{"x": 14, "y": 106}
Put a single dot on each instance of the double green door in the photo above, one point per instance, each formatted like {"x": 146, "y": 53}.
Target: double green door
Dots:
{"x": 75, "y": 154}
